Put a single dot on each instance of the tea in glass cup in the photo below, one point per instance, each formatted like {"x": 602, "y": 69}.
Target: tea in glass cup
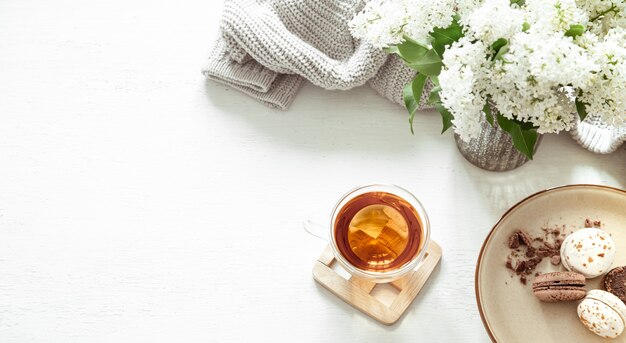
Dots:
{"x": 379, "y": 232}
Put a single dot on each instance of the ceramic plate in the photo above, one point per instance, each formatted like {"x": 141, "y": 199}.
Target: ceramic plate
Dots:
{"x": 509, "y": 310}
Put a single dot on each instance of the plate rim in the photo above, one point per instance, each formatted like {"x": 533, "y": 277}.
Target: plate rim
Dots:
{"x": 504, "y": 215}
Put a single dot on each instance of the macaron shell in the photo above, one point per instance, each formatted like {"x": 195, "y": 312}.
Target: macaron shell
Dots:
{"x": 588, "y": 251}
{"x": 559, "y": 279}
{"x": 564, "y": 258}
{"x": 600, "y": 319}
{"x": 552, "y": 295}
{"x": 609, "y": 299}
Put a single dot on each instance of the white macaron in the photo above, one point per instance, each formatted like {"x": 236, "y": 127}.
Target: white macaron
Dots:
{"x": 588, "y": 251}
{"x": 602, "y": 313}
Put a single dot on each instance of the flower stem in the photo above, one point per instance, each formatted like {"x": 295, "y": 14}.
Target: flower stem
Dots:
{"x": 602, "y": 14}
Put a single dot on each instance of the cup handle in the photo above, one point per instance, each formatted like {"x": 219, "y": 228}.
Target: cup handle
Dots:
{"x": 315, "y": 229}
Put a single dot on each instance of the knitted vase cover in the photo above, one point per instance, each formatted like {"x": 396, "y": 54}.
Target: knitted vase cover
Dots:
{"x": 596, "y": 136}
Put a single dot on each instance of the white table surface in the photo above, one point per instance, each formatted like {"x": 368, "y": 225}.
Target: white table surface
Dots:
{"x": 141, "y": 203}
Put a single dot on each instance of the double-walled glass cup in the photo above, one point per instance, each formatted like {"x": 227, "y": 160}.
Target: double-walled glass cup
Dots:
{"x": 412, "y": 261}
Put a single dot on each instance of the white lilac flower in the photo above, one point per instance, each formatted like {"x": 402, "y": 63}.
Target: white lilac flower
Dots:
{"x": 385, "y": 22}
{"x": 493, "y": 20}
{"x": 607, "y": 96}
{"x": 604, "y": 14}
{"x": 459, "y": 79}
{"x": 529, "y": 85}
{"x": 426, "y": 15}
{"x": 554, "y": 59}
{"x": 381, "y": 22}
{"x": 535, "y": 79}
{"x": 555, "y": 15}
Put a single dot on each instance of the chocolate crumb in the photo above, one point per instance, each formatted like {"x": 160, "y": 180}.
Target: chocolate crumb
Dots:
{"x": 597, "y": 223}
{"x": 588, "y": 223}
{"x": 527, "y": 251}
{"x": 543, "y": 252}
{"x": 520, "y": 267}
{"x": 525, "y": 238}
{"x": 514, "y": 241}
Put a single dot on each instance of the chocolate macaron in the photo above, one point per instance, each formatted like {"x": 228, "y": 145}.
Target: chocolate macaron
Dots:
{"x": 559, "y": 286}
{"x": 615, "y": 282}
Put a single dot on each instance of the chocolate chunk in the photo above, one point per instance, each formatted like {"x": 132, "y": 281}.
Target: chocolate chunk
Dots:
{"x": 588, "y": 223}
{"x": 524, "y": 238}
{"x": 543, "y": 252}
{"x": 597, "y": 223}
{"x": 533, "y": 262}
{"x": 514, "y": 241}
{"x": 548, "y": 245}
{"x": 520, "y": 267}
{"x": 557, "y": 244}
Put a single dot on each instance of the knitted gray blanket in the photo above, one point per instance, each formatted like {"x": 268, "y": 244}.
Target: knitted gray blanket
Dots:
{"x": 268, "y": 47}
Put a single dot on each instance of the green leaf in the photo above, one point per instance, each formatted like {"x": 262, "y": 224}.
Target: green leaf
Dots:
{"x": 488, "y": 115}
{"x": 392, "y": 49}
{"x": 446, "y": 36}
{"x": 435, "y": 100}
{"x": 446, "y": 116}
{"x": 524, "y": 138}
{"x": 575, "y": 30}
{"x": 435, "y": 80}
{"x": 409, "y": 101}
{"x": 518, "y": 2}
{"x": 411, "y": 94}
{"x": 525, "y": 27}
{"x": 581, "y": 109}
{"x": 429, "y": 64}
{"x": 434, "y": 95}
{"x": 410, "y": 50}
{"x": 500, "y": 47}
{"x": 418, "y": 86}
{"x": 498, "y": 44}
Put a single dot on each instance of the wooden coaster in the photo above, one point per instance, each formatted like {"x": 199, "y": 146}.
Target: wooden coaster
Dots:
{"x": 357, "y": 292}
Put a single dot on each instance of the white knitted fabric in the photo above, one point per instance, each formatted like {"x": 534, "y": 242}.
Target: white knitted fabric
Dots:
{"x": 267, "y": 47}
{"x": 598, "y": 137}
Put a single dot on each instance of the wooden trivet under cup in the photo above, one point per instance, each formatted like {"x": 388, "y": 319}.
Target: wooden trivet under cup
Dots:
{"x": 357, "y": 292}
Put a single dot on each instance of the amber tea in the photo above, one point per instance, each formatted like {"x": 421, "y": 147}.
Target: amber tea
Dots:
{"x": 378, "y": 231}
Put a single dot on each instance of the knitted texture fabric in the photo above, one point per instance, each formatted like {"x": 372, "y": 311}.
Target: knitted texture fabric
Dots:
{"x": 267, "y": 47}
{"x": 596, "y": 136}
{"x": 391, "y": 79}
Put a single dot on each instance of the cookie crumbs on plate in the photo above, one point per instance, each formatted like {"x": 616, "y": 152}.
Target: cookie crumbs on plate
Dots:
{"x": 595, "y": 223}
{"x": 527, "y": 252}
